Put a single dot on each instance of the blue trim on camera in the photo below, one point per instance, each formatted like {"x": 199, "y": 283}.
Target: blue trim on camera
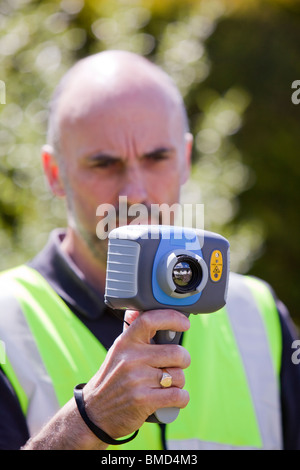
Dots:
{"x": 173, "y": 238}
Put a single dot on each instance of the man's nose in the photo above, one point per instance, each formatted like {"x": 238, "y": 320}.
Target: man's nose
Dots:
{"x": 134, "y": 187}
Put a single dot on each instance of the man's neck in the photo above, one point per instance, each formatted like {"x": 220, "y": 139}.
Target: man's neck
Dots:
{"x": 92, "y": 268}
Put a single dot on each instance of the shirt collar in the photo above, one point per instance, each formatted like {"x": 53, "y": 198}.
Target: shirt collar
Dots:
{"x": 67, "y": 279}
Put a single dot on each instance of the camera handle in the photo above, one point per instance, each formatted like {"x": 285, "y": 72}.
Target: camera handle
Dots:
{"x": 165, "y": 415}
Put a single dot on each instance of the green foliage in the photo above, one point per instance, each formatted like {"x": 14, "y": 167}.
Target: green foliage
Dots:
{"x": 234, "y": 68}
{"x": 259, "y": 53}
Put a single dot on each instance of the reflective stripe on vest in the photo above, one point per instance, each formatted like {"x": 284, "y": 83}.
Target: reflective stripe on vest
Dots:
{"x": 232, "y": 401}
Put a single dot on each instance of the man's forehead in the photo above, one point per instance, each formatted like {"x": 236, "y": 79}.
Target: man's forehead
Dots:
{"x": 123, "y": 125}
{"x": 103, "y": 78}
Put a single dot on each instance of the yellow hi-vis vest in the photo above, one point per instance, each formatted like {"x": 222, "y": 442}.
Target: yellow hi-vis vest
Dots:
{"x": 233, "y": 379}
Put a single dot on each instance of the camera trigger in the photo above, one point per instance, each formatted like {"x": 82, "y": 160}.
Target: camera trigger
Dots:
{"x": 171, "y": 335}
{"x": 167, "y": 337}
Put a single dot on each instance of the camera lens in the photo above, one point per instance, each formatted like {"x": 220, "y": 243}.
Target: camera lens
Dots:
{"x": 187, "y": 274}
{"x": 182, "y": 273}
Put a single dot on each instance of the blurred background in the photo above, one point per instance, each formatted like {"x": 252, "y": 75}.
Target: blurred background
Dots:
{"x": 234, "y": 61}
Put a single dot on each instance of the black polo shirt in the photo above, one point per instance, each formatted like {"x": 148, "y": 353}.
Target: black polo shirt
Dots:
{"x": 106, "y": 324}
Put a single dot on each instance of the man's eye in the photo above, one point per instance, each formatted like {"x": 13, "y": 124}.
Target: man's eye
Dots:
{"x": 105, "y": 163}
{"x": 157, "y": 157}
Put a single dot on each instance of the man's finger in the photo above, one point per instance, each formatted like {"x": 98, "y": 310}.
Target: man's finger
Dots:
{"x": 148, "y": 323}
{"x": 129, "y": 317}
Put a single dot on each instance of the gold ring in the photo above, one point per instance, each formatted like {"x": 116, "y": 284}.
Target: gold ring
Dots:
{"x": 166, "y": 379}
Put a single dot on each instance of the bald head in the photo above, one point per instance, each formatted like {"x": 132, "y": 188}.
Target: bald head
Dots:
{"x": 106, "y": 78}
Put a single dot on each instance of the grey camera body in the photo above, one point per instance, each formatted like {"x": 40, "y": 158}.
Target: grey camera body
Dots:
{"x": 142, "y": 261}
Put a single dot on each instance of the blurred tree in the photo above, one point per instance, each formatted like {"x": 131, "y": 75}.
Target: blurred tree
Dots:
{"x": 234, "y": 63}
{"x": 266, "y": 66}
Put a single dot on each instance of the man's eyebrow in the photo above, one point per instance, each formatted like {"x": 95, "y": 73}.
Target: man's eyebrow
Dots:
{"x": 159, "y": 151}
{"x": 101, "y": 156}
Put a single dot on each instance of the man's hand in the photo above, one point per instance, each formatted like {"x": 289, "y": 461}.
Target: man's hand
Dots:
{"x": 126, "y": 389}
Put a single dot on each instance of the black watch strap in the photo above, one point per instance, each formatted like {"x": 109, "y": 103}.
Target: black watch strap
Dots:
{"x": 78, "y": 395}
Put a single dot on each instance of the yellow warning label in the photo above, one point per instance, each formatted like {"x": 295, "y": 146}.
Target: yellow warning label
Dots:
{"x": 216, "y": 265}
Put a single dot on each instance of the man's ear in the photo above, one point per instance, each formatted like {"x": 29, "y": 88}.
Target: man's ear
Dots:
{"x": 51, "y": 171}
{"x": 187, "y": 157}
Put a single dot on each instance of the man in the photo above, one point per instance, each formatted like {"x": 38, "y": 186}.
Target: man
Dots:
{"x": 117, "y": 128}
